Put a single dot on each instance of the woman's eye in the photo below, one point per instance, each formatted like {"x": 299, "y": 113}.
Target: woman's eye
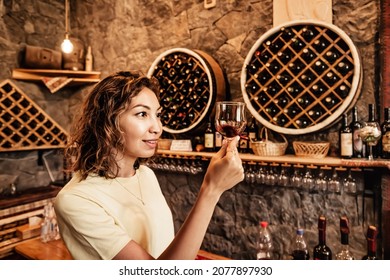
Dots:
{"x": 159, "y": 115}
{"x": 142, "y": 114}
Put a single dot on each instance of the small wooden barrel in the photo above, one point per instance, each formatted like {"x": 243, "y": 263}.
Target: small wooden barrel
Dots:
{"x": 191, "y": 81}
{"x": 301, "y": 76}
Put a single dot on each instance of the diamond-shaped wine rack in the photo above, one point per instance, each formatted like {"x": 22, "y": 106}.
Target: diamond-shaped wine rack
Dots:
{"x": 24, "y": 125}
{"x": 191, "y": 81}
{"x": 301, "y": 76}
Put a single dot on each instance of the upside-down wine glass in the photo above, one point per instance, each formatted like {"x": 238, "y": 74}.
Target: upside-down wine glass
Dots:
{"x": 230, "y": 118}
{"x": 370, "y": 134}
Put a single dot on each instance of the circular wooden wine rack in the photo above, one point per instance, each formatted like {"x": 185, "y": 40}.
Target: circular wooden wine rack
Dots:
{"x": 301, "y": 76}
{"x": 190, "y": 84}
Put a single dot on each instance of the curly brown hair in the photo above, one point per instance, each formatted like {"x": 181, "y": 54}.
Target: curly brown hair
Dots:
{"x": 96, "y": 132}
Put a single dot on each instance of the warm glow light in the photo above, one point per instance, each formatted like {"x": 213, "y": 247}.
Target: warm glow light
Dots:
{"x": 67, "y": 46}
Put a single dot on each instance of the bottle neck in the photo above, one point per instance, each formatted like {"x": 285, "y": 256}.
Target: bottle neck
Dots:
{"x": 371, "y": 113}
{"x": 322, "y": 236}
{"x": 345, "y": 121}
{"x": 344, "y": 239}
{"x": 387, "y": 115}
{"x": 354, "y": 116}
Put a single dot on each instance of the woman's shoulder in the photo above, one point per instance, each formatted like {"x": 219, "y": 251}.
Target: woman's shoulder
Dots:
{"x": 144, "y": 169}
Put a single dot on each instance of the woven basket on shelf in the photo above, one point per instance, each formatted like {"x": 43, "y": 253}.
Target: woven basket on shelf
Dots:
{"x": 267, "y": 147}
{"x": 311, "y": 149}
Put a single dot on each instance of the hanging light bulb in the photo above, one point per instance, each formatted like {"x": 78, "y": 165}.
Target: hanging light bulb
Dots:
{"x": 67, "y": 46}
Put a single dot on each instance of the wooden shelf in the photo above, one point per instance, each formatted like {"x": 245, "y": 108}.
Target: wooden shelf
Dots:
{"x": 78, "y": 77}
{"x": 291, "y": 159}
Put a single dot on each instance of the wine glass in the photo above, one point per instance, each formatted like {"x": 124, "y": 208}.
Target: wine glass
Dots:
{"x": 370, "y": 134}
{"x": 350, "y": 186}
{"x": 230, "y": 118}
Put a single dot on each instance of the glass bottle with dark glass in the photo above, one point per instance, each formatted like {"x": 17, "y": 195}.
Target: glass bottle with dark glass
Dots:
{"x": 385, "y": 142}
{"x": 344, "y": 253}
{"x": 346, "y": 139}
{"x": 209, "y": 134}
{"x": 321, "y": 251}
{"x": 371, "y": 244}
{"x": 252, "y": 133}
{"x": 356, "y": 125}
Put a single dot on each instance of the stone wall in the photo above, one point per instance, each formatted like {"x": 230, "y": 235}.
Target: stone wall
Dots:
{"x": 130, "y": 34}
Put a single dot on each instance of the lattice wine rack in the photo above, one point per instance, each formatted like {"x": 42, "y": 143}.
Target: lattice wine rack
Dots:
{"x": 191, "y": 81}
{"x": 300, "y": 77}
{"x": 24, "y": 125}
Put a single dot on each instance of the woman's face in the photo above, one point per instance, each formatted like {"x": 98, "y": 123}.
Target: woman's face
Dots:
{"x": 141, "y": 125}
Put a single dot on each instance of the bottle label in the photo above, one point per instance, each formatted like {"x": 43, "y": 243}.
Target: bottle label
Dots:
{"x": 218, "y": 139}
{"x": 209, "y": 140}
{"x": 386, "y": 142}
{"x": 346, "y": 144}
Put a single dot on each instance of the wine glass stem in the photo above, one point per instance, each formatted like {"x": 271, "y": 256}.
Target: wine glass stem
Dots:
{"x": 370, "y": 156}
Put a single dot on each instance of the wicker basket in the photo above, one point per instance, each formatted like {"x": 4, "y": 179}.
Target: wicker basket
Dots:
{"x": 164, "y": 144}
{"x": 311, "y": 149}
{"x": 267, "y": 147}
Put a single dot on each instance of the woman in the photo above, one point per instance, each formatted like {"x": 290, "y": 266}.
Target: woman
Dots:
{"x": 113, "y": 207}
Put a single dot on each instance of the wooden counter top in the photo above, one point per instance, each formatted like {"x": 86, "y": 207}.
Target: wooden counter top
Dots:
{"x": 35, "y": 249}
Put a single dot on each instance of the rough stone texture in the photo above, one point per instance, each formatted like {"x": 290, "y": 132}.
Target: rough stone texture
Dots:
{"x": 234, "y": 226}
{"x": 130, "y": 34}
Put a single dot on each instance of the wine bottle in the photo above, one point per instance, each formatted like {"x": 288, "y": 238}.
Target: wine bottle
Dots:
{"x": 319, "y": 66}
{"x": 331, "y": 78}
{"x": 273, "y": 67}
{"x": 321, "y": 251}
{"x": 371, "y": 244}
{"x": 287, "y": 33}
{"x": 218, "y": 140}
{"x": 303, "y": 102}
{"x": 283, "y": 79}
{"x": 315, "y": 114}
{"x": 372, "y": 117}
{"x": 308, "y": 55}
{"x": 358, "y": 145}
{"x": 385, "y": 127}
{"x": 342, "y": 91}
{"x": 346, "y": 138}
{"x": 331, "y": 56}
{"x": 252, "y": 133}
{"x": 297, "y": 44}
{"x": 244, "y": 142}
{"x": 306, "y": 79}
{"x": 307, "y": 34}
{"x": 330, "y": 102}
{"x": 343, "y": 67}
{"x": 345, "y": 253}
{"x": 319, "y": 45}
{"x": 317, "y": 90}
{"x": 284, "y": 57}
{"x": 295, "y": 67}
{"x": 88, "y": 59}
{"x": 209, "y": 134}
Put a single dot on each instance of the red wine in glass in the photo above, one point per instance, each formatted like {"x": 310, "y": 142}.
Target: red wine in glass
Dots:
{"x": 228, "y": 130}
{"x": 230, "y": 118}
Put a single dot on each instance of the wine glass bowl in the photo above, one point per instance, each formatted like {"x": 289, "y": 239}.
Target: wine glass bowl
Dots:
{"x": 370, "y": 134}
{"x": 230, "y": 118}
